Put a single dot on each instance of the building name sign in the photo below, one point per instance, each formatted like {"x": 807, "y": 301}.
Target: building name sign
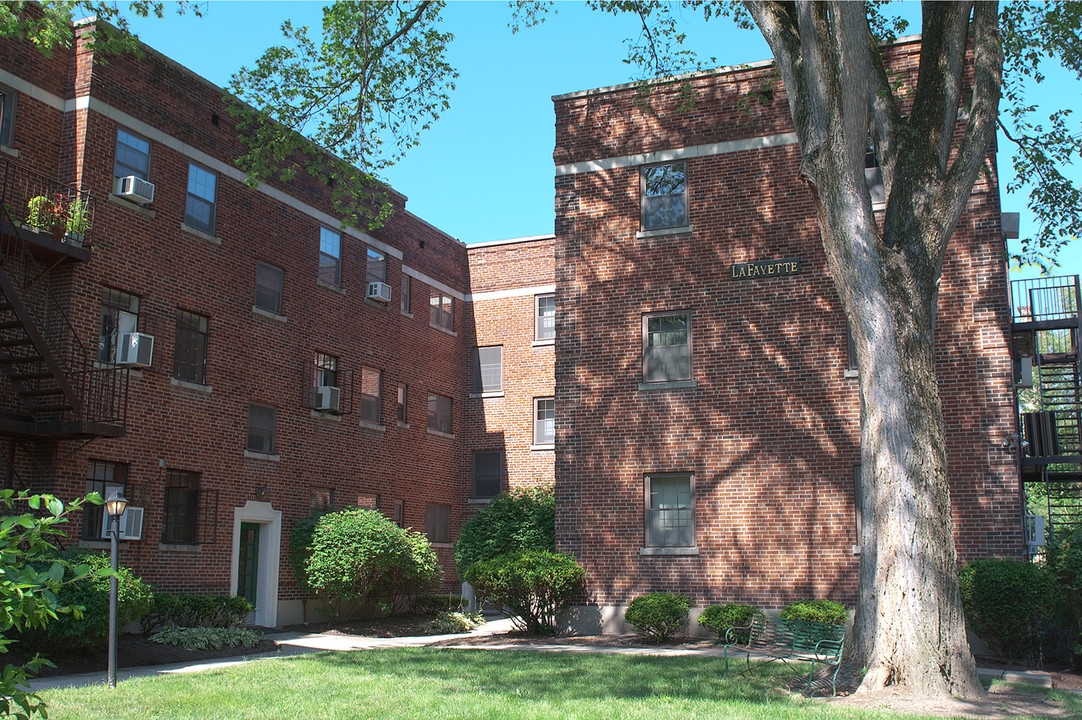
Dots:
{"x": 765, "y": 268}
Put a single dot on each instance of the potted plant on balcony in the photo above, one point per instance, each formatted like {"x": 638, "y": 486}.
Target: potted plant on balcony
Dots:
{"x": 78, "y": 221}
{"x": 37, "y": 212}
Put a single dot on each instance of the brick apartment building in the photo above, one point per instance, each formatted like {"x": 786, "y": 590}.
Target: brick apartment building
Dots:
{"x": 708, "y": 424}
{"x": 233, "y": 358}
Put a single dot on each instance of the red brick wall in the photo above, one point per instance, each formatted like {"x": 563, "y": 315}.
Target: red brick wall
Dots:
{"x": 771, "y": 430}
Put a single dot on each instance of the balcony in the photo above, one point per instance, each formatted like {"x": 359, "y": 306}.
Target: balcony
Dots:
{"x": 54, "y": 220}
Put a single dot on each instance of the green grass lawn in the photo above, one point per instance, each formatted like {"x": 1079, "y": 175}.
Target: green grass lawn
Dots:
{"x": 432, "y": 684}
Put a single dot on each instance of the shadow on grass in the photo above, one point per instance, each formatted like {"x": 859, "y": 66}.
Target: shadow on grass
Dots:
{"x": 567, "y": 677}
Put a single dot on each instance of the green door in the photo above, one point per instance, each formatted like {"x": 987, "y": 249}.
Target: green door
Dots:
{"x": 248, "y": 565}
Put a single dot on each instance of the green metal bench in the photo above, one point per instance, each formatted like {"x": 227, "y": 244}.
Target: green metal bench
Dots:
{"x": 785, "y": 640}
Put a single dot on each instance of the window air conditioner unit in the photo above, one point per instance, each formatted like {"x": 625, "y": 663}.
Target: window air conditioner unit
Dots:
{"x": 135, "y": 350}
{"x": 134, "y": 188}
{"x": 327, "y": 397}
{"x": 131, "y": 524}
{"x": 1034, "y": 530}
{"x": 379, "y": 291}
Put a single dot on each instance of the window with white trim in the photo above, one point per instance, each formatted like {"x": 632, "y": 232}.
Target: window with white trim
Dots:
{"x": 488, "y": 369}
{"x": 199, "y": 209}
{"x": 330, "y": 254}
{"x": 663, "y": 189}
{"x": 544, "y": 317}
{"x": 544, "y": 421}
{"x": 670, "y": 511}
{"x": 132, "y": 155}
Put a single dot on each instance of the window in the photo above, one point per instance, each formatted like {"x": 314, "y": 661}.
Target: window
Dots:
{"x": 261, "y": 429}
{"x": 370, "y": 395}
{"x": 330, "y": 253}
{"x": 487, "y": 473}
{"x": 852, "y": 367}
{"x": 377, "y": 266}
{"x": 544, "y": 317}
{"x": 544, "y": 421}
{"x": 399, "y": 515}
{"x": 268, "y": 288}
{"x": 438, "y": 523}
{"x": 666, "y": 347}
{"x": 7, "y": 116}
{"x": 439, "y": 413}
{"x": 873, "y": 175}
{"x": 103, "y": 478}
{"x": 119, "y": 316}
{"x": 406, "y": 293}
{"x": 190, "y": 351}
{"x": 326, "y": 370}
{"x": 488, "y": 369}
{"x": 181, "y": 507}
{"x": 202, "y": 189}
{"x": 441, "y": 311}
{"x": 132, "y": 155}
{"x": 403, "y": 395}
{"x": 663, "y": 189}
{"x": 670, "y": 517}
{"x": 320, "y": 499}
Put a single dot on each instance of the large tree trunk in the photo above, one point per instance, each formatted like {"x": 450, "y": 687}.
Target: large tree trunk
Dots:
{"x": 908, "y": 631}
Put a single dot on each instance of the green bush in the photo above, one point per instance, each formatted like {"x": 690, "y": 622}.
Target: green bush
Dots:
{"x": 446, "y": 623}
{"x": 532, "y": 587}
{"x": 1006, "y": 602}
{"x": 134, "y": 599}
{"x": 300, "y": 541}
{"x": 192, "y": 610}
{"x": 1063, "y": 558}
{"x": 720, "y": 618}
{"x": 820, "y": 611}
{"x": 521, "y": 520}
{"x": 359, "y": 557}
{"x": 658, "y": 616}
{"x": 435, "y": 604}
{"x": 208, "y": 638}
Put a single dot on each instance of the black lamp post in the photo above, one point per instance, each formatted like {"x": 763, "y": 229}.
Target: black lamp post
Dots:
{"x": 115, "y": 506}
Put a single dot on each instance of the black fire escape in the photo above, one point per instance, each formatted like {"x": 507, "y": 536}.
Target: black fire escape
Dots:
{"x": 1048, "y": 374}
{"x": 51, "y": 388}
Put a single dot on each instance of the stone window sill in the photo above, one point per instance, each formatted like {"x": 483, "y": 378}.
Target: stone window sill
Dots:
{"x": 322, "y": 415}
{"x": 177, "y": 547}
{"x": 212, "y": 239}
{"x": 478, "y": 501}
{"x": 198, "y": 387}
{"x": 268, "y": 314}
{"x": 674, "y": 385}
{"x": 495, "y": 394}
{"x": 546, "y": 446}
{"x": 437, "y": 433}
{"x": 8, "y": 150}
{"x": 543, "y": 343}
{"x": 271, "y": 457}
{"x": 693, "y": 550}
{"x": 661, "y": 232}
{"x": 851, "y": 373}
{"x": 372, "y": 426}
{"x": 442, "y": 329}
{"x": 331, "y": 286}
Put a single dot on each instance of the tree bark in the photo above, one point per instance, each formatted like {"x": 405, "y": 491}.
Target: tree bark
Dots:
{"x": 908, "y": 630}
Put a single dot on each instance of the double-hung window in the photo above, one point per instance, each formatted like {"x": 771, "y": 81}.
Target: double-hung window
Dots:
{"x": 268, "y": 288}
{"x": 7, "y": 116}
{"x": 371, "y": 382}
{"x": 202, "y": 193}
{"x": 326, "y": 370}
{"x": 488, "y": 369}
{"x": 441, "y": 311}
{"x": 439, "y": 413}
{"x": 261, "y": 421}
{"x": 663, "y": 190}
{"x": 330, "y": 256}
{"x": 666, "y": 347}
{"x": 119, "y": 316}
{"x": 487, "y": 473}
{"x": 190, "y": 351}
{"x": 438, "y": 522}
{"x": 406, "y": 282}
{"x": 670, "y": 513}
{"x": 403, "y": 397}
{"x": 376, "y": 268}
{"x": 544, "y": 317}
{"x": 544, "y": 421}
{"x": 103, "y": 478}
{"x": 132, "y": 155}
{"x": 181, "y": 513}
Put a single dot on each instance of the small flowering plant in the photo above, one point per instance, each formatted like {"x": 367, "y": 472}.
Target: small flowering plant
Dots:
{"x": 59, "y": 213}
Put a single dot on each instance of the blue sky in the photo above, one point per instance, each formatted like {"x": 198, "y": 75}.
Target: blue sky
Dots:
{"x": 485, "y": 170}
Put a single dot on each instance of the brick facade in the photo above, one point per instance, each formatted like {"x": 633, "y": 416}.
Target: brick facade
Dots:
{"x": 768, "y": 425}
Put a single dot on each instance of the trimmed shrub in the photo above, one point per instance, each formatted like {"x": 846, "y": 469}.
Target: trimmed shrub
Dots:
{"x": 208, "y": 638}
{"x": 720, "y": 618}
{"x": 192, "y": 610}
{"x": 521, "y": 520}
{"x": 358, "y": 557}
{"x": 532, "y": 587}
{"x": 436, "y": 604}
{"x": 1063, "y": 559}
{"x": 1007, "y": 603}
{"x": 820, "y": 611}
{"x": 134, "y": 599}
{"x": 300, "y": 541}
{"x": 658, "y": 616}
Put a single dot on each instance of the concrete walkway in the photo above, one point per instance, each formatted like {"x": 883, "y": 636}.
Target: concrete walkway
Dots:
{"x": 296, "y": 643}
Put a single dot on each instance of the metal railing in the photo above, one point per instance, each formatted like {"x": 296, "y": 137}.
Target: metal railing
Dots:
{"x": 1045, "y": 299}
{"x": 69, "y": 210}
{"x": 101, "y": 389}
